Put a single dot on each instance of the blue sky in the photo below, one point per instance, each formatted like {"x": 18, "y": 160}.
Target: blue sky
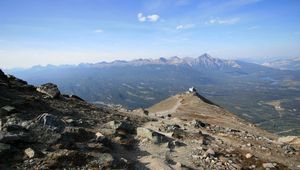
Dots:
{"x": 73, "y": 31}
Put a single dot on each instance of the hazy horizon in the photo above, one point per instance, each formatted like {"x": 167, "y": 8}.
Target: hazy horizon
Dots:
{"x": 71, "y": 32}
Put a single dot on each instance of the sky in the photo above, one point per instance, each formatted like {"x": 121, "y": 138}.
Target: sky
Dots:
{"x": 40, "y": 32}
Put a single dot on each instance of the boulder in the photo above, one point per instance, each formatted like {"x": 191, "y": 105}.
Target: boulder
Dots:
{"x": 49, "y": 89}
{"x": 172, "y": 128}
{"x": 176, "y": 131}
{"x": 121, "y": 125}
{"x": 288, "y": 149}
{"x": 198, "y": 124}
{"x": 50, "y": 122}
{"x": 46, "y": 128}
{"x": 152, "y": 135}
{"x": 174, "y": 144}
{"x": 29, "y": 152}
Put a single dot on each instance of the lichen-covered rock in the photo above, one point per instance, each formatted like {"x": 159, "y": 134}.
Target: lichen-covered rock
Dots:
{"x": 49, "y": 89}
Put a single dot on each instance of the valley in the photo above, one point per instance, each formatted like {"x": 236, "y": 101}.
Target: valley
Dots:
{"x": 241, "y": 87}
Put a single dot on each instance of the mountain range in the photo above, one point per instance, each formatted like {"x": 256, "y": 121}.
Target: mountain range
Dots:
{"x": 262, "y": 95}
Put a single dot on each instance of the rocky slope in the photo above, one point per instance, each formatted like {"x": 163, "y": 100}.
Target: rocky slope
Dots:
{"x": 43, "y": 129}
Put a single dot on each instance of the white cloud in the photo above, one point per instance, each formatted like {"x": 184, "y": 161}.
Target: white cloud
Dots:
{"x": 98, "y": 31}
{"x": 187, "y": 26}
{"x": 141, "y": 17}
{"x": 151, "y": 18}
{"x": 223, "y": 21}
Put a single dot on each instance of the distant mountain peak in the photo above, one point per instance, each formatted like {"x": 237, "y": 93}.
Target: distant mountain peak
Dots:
{"x": 162, "y": 59}
{"x": 205, "y": 55}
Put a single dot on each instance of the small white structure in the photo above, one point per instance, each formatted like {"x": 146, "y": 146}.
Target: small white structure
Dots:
{"x": 192, "y": 89}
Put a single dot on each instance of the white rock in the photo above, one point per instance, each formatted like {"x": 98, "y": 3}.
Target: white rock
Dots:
{"x": 30, "y": 152}
{"x": 248, "y": 155}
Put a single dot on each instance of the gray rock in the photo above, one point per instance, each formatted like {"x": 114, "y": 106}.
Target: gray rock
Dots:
{"x": 288, "y": 149}
{"x": 9, "y": 108}
{"x": 152, "y": 135}
{"x": 44, "y": 135}
{"x": 121, "y": 125}
{"x": 7, "y": 137}
{"x": 49, "y": 89}
{"x": 51, "y": 122}
{"x": 70, "y": 121}
{"x": 172, "y": 128}
{"x": 174, "y": 144}
{"x": 269, "y": 165}
{"x": 6, "y": 110}
{"x": 198, "y": 123}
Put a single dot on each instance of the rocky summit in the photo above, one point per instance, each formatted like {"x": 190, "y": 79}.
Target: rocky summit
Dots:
{"x": 40, "y": 128}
